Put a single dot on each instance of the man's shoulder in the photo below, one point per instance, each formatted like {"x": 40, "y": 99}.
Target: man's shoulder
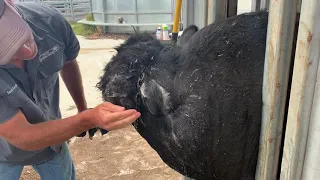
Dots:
{"x": 34, "y": 10}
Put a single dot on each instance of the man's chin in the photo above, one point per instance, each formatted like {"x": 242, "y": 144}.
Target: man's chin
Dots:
{"x": 27, "y": 54}
{"x": 32, "y": 55}
{"x": 34, "y": 51}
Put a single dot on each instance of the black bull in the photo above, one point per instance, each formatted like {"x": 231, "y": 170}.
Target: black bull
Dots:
{"x": 201, "y": 102}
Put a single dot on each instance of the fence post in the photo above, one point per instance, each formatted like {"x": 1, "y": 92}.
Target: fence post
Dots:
{"x": 72, "y": 10}
{"x": 103, "y": 14}
{"x": 188, "y": 12}
{"x": 280, "y": 31}
{"x": 264, "y": 4}
{"x": 232, "y": 7}
{"x": 203, "y": 13}
{"x": 302, "y": 97}
{"x": 255, "y": 5}
{"x": 136, "y": 14}
{"x": 90, "y": 7}
{"x": 219, "y": 10}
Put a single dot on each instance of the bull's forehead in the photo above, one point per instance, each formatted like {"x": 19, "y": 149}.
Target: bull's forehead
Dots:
{"x": 118, "y": 85}
{"x": 118, "y": 77}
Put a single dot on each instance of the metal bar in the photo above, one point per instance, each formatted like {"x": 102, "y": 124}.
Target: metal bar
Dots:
{"x": 302, "y": 97}
{"x": 232, "y": 7}
{"x": 255, "y": 5}
{"x": 103, "y": 14}
{"x": 172, "y": 9}
{"x": 188, "y": 13}
{"x": 219, "y": 10}
{"x": 210, "y": 11}
{"x": 311, "y": 166}
{"x": 299, "y": 6}
{"x": 280, "y": 31}
{"x": 203, "y": 13}
{"x": 177, "y": 14}
{"x": 133, "y": 12}
{"x": 118, "y": 24}
{"x": 72, "y": 10}
{"x": 136, "y": 10}
{"x": 265, "y": 4}
{"x": 136, "y": 13}
{"x": 90, "y": 6}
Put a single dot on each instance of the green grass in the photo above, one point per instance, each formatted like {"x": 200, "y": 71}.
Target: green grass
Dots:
{"x": 83, "y": 29}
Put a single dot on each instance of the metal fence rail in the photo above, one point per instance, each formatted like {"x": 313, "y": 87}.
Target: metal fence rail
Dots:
{"x": 72, "y": 10}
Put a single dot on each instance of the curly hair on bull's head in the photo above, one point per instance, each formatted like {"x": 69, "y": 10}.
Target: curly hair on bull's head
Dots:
{"x": 118, "y": 84}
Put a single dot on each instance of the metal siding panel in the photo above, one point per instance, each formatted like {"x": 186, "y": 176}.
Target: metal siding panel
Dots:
{"x": 232, "y": 8}
{"x": 311, "y": 166}
{"x": 275, "y": 82}
{"x": 264, "y": 4}
{"x": 255, "y": 5}
{"x": 303, "y": 92}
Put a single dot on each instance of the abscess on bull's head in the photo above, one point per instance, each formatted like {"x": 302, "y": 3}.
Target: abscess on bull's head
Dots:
{"x": 119, "y": 82}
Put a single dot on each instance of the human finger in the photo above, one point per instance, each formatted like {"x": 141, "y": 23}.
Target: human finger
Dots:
{"x": 112, "y": 107}
{"x": 123, "y": 122}
{"x": 116, "y": 116}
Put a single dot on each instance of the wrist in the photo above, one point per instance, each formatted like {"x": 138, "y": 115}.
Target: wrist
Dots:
{"x": 86, "y": 119}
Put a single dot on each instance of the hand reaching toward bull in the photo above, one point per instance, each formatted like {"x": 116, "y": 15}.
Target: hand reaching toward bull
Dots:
{"x": 111, "y": 117}
{"x": 108, "y": 116}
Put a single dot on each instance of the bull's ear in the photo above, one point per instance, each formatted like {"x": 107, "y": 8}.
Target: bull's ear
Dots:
{"x": 187, "y": 34}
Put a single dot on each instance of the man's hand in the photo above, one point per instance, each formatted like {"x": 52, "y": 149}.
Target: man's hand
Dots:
{"x": 110, "y": 117}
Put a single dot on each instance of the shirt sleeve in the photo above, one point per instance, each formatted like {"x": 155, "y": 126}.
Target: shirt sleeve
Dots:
{"x": 64, "y": 30}
{"x": 6, "y": 112}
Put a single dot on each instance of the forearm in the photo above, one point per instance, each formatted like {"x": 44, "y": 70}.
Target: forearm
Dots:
{"x": 19, "y": 132}
{"x": 71, "y": 76}
{"x": 42, "y": 135}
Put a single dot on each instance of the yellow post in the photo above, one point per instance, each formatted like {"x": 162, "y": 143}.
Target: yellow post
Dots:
{"x": 176, "y": 21}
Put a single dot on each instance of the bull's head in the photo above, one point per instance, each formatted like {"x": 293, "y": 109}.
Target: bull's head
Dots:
{"x": 118, "y": 84}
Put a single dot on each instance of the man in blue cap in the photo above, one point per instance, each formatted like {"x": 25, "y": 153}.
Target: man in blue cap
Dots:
{"x": 36, "y": 43}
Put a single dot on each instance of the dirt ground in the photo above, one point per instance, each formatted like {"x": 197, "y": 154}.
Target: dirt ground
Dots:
{"x": 119, "y": 155}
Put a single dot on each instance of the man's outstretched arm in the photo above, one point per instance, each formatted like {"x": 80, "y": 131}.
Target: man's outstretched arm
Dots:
{"x": 19, "y": 132}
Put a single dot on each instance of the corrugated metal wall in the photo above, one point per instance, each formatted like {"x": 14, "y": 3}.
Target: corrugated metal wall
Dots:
{"x": 141, "y": 12}
{"x": 202, "y": 12}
